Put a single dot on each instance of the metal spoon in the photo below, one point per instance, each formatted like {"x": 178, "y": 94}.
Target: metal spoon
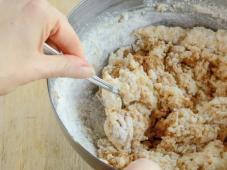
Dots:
{"x": 94, "y": 79}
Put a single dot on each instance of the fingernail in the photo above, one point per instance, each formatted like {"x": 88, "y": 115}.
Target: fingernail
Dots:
{"x": 87, "y": 71}
{"x": 85, "y": 62}
{"x": 85, "y": 59}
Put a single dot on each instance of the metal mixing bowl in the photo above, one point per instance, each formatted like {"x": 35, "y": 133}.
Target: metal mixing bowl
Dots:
{"x": 73, "y": 100}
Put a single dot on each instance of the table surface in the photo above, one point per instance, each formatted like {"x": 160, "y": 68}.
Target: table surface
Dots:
{"x": 30, "y": 136}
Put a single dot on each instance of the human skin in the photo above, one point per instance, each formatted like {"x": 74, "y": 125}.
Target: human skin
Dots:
{"x": 143, "y": 164}
{"x": 25, "y": 26}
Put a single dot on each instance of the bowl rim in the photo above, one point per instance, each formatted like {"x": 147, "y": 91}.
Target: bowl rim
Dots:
{"x": 92, "y": 160}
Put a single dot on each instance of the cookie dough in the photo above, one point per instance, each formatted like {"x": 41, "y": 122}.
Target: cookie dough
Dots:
{"x": 173, "y": 104}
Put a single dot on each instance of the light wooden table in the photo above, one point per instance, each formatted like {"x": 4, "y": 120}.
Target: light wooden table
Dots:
{"x": 30, "y": 137}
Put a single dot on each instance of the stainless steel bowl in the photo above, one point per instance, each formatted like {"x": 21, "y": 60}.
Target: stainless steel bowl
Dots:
{"x": 73, "y": 100}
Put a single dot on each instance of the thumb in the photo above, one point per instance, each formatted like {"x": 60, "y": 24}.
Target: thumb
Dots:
{"x": 143, "y": 164}
{"x": 64, "y": 66}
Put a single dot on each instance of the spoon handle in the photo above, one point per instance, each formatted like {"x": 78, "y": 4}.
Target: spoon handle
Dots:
{"x": 94, "y": 79}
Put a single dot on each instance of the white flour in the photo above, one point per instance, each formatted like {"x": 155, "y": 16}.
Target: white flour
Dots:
{"x": 111, "y": 33}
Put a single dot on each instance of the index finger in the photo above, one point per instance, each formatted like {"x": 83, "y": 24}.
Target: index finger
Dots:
{"x": 64, "y": 37}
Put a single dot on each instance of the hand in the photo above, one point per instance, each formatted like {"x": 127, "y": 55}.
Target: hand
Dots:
{"x": 25, "y": 26}
{"x": 143, "y": 164}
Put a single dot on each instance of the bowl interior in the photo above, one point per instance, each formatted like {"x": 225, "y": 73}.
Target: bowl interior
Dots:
{"x": 104, "y": 26}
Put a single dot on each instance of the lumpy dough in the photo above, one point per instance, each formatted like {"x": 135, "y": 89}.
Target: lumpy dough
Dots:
{"x": 173, "y": 104}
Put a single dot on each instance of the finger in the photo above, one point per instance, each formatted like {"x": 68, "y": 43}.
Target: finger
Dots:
{"x": 63, "y": 36}
{"x": 143, "y": 164}
{"x": 63, "y": 66}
